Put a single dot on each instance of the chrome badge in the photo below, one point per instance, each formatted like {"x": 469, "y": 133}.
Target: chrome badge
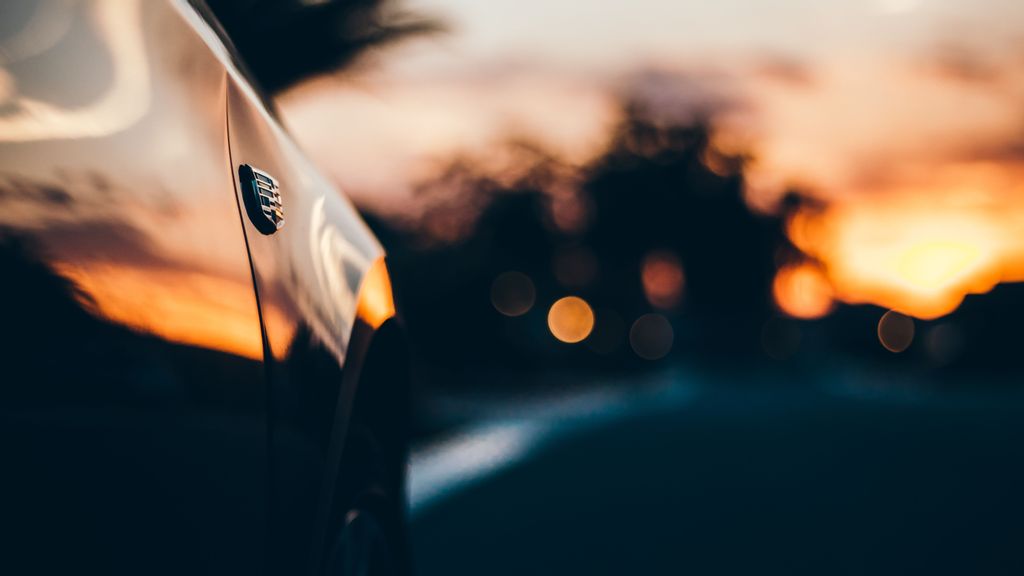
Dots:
{"x": 262, "y": 199}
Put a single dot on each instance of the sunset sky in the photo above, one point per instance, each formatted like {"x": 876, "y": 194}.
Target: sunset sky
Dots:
{"x": 906, "y": 116}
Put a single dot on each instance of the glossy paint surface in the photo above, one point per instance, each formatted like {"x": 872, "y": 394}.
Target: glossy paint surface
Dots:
{"x": 133, "y": 396}
{"x": 310, "y": 278}
{"x": 177, "y": 384}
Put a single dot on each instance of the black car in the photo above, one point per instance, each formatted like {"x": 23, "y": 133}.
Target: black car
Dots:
{"x": 202, "y": 371}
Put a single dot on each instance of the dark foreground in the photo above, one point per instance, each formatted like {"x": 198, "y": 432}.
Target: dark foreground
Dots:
{"x": 680, "y": 477}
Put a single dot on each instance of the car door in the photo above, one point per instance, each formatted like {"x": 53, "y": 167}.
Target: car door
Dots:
{"x": 133, "y": 397}
{"x": 311, "y": 271}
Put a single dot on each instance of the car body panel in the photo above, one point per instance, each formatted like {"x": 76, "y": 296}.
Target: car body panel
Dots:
{"x": 134, "y": 393}
{"x": 308, "y": 275}
{"x": 174, "y": 382}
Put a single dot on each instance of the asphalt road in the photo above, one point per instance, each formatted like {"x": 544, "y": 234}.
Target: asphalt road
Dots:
{"x": 684, "y": 474}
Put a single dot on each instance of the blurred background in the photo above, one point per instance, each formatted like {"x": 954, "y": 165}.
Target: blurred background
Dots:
{"x": 706, "y": 287}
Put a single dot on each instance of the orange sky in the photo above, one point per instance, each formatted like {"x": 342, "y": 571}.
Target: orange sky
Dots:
{"x": 905, "y": 116}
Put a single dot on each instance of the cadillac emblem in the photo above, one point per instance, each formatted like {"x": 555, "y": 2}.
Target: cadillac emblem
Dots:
{"x": 262, "y": 199}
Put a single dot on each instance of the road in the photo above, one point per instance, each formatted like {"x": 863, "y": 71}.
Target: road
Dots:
{"x": 690, "y": 474}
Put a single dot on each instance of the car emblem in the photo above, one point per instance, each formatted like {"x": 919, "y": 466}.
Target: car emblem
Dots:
{"x": 262, "y": 199}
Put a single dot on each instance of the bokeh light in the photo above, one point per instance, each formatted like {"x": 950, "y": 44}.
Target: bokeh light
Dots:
{"x": 513, "y": 293}
{"x": 895, "y": 331}
{"x": 662, "y": 277}
{"x": 802, "y": 291}
{"x": 569, "y": 213}
{"x": 571, "y": 319}
{"x": 651, "y": 336}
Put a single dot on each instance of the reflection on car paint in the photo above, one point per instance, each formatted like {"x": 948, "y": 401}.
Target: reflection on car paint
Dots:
{"x": 133, "y": 386}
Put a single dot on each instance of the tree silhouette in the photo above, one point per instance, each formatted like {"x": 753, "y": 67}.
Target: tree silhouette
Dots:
{"x": 650, "y": 190}
{"x": 653, "y": 190}
{"x": 282, "y": 42}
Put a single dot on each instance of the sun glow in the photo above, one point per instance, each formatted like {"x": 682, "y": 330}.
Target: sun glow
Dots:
{"x": 919, "y": 254}
{"x": 931, "y": 266}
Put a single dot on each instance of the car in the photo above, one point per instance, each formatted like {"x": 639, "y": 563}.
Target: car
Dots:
{"x": 203, "y": 371}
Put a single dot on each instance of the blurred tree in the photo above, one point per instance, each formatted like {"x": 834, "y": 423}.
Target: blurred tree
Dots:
{"x": 652, "y": 191}
{"x": 655, "y": 190}
{"x": 285, "y": 41}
